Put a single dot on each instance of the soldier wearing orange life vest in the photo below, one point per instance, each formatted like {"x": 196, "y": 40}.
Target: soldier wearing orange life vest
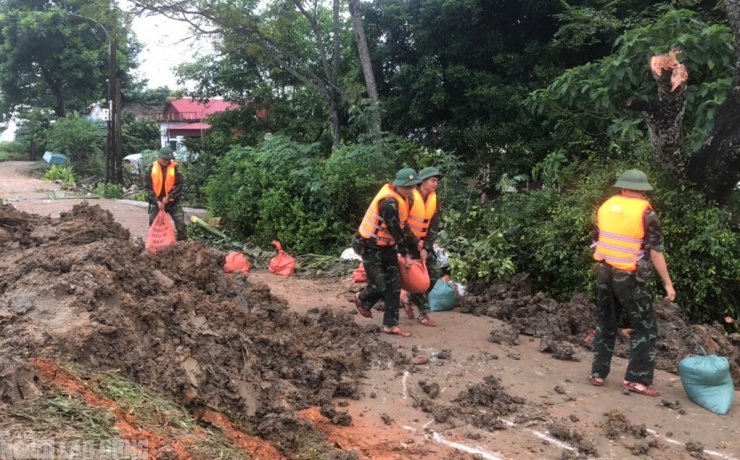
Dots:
{"x": 383, "y": 236}
{"x": 424, "y": 219}
{"x": 628, "y": 247}
{"x": 164, "y": 187}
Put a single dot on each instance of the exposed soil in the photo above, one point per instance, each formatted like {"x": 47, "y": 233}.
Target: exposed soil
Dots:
{"x": 564, "y": 326}
{"x": 287, "y": 360}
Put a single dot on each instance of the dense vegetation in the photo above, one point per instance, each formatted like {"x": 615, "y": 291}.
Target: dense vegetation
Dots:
{"x": 546, "y": 98}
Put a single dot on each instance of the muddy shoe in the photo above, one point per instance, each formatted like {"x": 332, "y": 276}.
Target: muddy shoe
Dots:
{"x": 396, "y": 330}
{"x": 640, "y": 389}
{"x": 408, "y": 307}
{"x": 426, "y": 320}
{"x": 361, "y": 308}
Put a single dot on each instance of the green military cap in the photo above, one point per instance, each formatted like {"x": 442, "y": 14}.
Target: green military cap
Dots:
{"x": 430, "y": 172}
{"x": 634, "y": 179}
{"x": 165, "y": 153}
{"x": 406, "y": 177}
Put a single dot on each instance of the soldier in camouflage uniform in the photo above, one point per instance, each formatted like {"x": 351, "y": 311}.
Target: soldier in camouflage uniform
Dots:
{"x": 164, "y": 188}
{"x": 629, "y": 246}
{"x": 382, "y": 237}
{"x": 425, "y": 228}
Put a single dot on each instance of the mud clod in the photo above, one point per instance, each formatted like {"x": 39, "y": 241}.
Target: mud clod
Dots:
{"x": 430, "y": 388}
{"x": 617, "y": 425}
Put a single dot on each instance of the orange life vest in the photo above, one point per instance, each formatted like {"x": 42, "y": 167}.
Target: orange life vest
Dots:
{"x": 169, "y": 180}
{"x": 373, "y": 226}
{"x": 621, "y": 232}
{"x": 421, "y": 213}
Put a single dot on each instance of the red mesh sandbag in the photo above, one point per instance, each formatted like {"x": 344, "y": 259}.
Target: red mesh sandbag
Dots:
{"x": 359, "y": 275}
{"x": 415, "y": 278}
{"x": 236, "y": 262}
{"x": 282, "y": 263}
{"x": 161, "y": 233}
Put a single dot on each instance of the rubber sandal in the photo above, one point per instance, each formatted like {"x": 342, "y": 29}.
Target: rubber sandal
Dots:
{"x": 427, "y": 321}
{"x": 396, "y": 330}
{"x": 408, "y": 307}
{"x": 645, "y": 390}
{"x": 595, "y": 381}
{"x": 361, "y": 308}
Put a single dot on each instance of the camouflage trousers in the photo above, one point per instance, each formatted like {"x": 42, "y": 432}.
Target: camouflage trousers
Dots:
{"x": 435, "y": 272}
{"x": 617, "y": 291}
{"x": 174, "y": 209}
{"x": 383, "y": 281}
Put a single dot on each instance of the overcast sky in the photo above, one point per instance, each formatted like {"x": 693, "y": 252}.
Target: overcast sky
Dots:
{"x": 166, "y": 44}
{"x": 164, "y": 49}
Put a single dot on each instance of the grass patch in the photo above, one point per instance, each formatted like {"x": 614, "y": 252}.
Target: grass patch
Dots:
{"x": 314, "y": 447}
{"x": 64, "y": 412}
{"x": 153, "y": 412}
{"x": 148, "y": 407}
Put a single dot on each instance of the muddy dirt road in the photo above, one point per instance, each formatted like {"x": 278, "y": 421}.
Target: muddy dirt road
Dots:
{"x": 549, "y": 410}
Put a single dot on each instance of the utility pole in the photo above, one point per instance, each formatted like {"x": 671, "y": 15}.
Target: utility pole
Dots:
{"x": 110, "y": 152}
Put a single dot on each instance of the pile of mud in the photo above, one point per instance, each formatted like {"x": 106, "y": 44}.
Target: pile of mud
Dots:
{"x": 563, "y": 325}
{"x": 78, "y": 288}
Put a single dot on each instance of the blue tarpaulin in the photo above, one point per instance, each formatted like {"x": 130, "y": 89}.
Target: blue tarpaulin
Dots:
{"x": 55, "y": 158}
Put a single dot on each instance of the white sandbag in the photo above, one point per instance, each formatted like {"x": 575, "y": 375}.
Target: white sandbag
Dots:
{"x": 349, "y": 254}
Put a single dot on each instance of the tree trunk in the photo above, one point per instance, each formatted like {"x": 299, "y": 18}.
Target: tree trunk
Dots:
{"x": 664, "y": 115}
{"x": 56, "y": 90}
{"x": 367, "y": 66}
{"x": 716, "y": 167}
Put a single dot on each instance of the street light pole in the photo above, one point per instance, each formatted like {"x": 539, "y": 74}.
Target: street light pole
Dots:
{"x": 113, "y": 97}
{"x": 113, "y": 155}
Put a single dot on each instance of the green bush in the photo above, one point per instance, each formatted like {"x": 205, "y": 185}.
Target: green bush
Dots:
{"x": 82, "y": 140}
{"x": 475, "y": 241}
{"x": 12, "y": 150}
{"x": 293, "y": 192}
{"x": 114, "y": 191}
{"x": 551, "y": 234}
{"x": 64, "y": 173}
{"x": 140, "y": 196}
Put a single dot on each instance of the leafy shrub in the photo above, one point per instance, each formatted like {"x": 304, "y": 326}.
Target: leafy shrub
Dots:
{"x": 551, "y": 234}
{"x": 475, "y": 241}
{"x": 140, "y": 196}
{"x": 63, "y": 173}
{"x": 114, "y": 191}
{"x": 291, "y": 191}
{"x": 13, "y": 150}
{"x": 82, "y": 140}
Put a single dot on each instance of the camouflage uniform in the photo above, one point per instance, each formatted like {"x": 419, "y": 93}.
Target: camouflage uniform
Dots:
{"x": 433, "y": 268}
{"x": 618, "y": 290}
{"x": 381, "y": 265}
{"x": 173, "y": 208}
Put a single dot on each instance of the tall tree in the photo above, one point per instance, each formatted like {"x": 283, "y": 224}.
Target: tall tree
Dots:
{"x": 691, "y": 127}
{"x": 55, "y": 54}
{"x": 716, "y": 167}
{"x": 278, "y": 29}
{"x": 365, "y": 62}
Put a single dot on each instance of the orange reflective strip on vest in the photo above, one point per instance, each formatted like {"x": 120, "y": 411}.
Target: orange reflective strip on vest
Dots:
{"x": 373, "y": 226}
{"x": 621, "y": 232}
{"x": 421, "y": 213}
{"x": 169, "y": 180}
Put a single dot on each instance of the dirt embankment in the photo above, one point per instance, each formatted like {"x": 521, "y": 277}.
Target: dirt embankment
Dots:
{"x": 77, "y": 288}
{"x": 565, "y": 325}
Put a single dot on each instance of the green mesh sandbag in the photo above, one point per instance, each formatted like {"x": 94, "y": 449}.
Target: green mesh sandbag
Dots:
{"x": 708, "y": 382}
{"x": 442, "y": 296}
